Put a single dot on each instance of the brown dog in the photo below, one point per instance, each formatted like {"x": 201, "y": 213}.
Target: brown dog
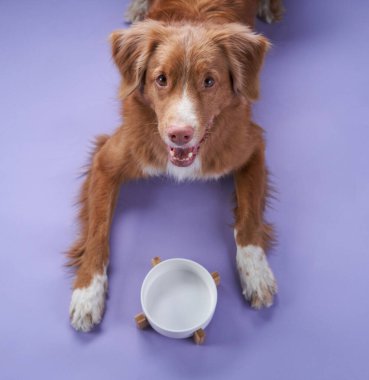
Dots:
{"x": 189, "y": 76}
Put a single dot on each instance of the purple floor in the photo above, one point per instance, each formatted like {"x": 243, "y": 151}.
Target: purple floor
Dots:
{"x": 58, "y": 89}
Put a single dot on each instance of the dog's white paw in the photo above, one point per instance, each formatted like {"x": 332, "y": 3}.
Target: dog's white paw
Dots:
{"x": 87, "y": 304}
{"x": 257, "y": 279}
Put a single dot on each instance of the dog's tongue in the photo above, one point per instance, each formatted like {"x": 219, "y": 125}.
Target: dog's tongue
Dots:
{"x": 182, "y": 156}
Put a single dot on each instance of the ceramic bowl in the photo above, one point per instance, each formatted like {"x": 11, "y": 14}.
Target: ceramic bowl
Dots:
{"x": 178, "y": 297}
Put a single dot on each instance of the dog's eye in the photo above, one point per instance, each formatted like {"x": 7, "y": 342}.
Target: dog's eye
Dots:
{"x": 161, "y": 80}
{"x": 209, "y": 82}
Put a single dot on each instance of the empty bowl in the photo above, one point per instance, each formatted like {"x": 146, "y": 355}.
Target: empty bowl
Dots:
{"x": 178, "y": 297}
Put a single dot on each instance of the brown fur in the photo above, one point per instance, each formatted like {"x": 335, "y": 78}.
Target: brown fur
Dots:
{"x": 220, "y": 11}
{"x": 184, "y": 38}
{"x": 267, "y": 10}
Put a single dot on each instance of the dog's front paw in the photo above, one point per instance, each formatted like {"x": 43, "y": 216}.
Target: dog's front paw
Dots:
{"x": 257, "y": 279}
{"x": 87, "y": 304}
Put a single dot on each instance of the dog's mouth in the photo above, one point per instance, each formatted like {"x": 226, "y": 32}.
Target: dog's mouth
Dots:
{"x": 183, "y": 156}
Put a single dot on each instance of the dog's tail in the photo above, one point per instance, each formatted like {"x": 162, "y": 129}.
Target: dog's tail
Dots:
{"x": 270, "y": 11}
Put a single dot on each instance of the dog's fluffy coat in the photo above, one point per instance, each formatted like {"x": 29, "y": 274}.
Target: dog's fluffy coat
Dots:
{"x": 192, "y": 64}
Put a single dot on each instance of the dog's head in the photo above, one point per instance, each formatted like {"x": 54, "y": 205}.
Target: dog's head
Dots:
{"x": 188, "y": 74}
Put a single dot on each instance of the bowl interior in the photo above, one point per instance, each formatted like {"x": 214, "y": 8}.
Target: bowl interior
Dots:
{"x": 178, "y": 295}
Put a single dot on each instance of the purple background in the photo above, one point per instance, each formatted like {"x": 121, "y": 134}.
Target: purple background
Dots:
{"x": 58, "y": 89}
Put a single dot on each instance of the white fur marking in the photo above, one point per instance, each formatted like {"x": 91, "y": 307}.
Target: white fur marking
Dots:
{"x": 152, "y": 171}
{"x": 190, "y": 173}
{"x": 87, "y": 304}
{"x": 181, "y": 174}
{"x": 185, "y": 111}
{"x": 257, "y": 279}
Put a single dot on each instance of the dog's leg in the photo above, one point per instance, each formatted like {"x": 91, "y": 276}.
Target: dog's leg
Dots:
{"x": 270, "y": 10}
{"x": 137, "y": 10}
{"x": 90, "y": 254}
{"x": 252, "y": 235}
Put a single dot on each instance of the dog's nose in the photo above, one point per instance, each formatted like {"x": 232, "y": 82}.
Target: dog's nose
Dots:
{"x": 180, "y": 135}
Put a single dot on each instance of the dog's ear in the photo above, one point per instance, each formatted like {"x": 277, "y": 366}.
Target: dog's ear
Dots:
{"x": 131, "y": 50}
{"x": 245, "y": 51}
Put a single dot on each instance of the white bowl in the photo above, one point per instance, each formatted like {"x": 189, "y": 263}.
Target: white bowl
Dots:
{"x": 178, "y": 297}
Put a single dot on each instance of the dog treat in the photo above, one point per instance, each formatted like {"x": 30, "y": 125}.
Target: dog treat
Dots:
{"x": 199, "y": 336}
{"x": 155, "y": 261}
{"x": 216, "y": 278}
{"x": 141, "y": 321}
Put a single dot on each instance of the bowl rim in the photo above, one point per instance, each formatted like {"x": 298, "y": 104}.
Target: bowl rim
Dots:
{"x": 212, "y": 286}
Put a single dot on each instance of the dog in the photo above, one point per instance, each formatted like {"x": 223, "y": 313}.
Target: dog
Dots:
{"x": 189, "y": 71}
